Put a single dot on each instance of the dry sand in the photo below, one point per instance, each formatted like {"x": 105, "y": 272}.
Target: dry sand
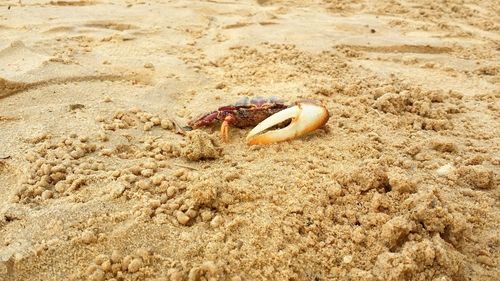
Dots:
{"x": 401, "y": 184}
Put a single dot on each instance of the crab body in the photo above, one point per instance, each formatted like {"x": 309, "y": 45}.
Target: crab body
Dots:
{"x": 245, "y": 113}
{"x": 266, "y": 114}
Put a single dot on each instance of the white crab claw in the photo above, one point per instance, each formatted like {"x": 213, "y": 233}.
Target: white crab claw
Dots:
{"x": 306, "y": 117}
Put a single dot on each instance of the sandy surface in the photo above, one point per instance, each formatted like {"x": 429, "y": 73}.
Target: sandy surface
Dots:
{"x": 401, "y": 184}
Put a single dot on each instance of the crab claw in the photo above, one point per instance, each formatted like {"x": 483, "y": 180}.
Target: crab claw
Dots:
{"x": 306, "y": 117}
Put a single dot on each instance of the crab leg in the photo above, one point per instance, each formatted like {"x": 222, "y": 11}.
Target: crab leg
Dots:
{"x": 306, "y": 117}
{"x": 224, "y": 128}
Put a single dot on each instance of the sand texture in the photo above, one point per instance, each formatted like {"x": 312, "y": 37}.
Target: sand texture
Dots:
{"x": 99, "y": 182}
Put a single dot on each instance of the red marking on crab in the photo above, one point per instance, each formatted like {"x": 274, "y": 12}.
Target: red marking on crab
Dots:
{"x": 245, "y": 113}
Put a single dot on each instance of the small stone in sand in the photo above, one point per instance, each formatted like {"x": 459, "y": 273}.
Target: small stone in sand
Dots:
{"x": 445, "y": 170}
{"x": 347, "y": 259}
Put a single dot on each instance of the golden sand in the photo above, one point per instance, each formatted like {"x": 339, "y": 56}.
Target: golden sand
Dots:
{"x": 96, "y": 183}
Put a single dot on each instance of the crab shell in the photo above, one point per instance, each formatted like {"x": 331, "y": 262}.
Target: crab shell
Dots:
{"x": 305, "y": 116}
{"x": 246, "y": 112}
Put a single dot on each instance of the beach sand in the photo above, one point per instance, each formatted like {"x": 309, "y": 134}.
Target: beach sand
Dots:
{"x": 98, "y": 183}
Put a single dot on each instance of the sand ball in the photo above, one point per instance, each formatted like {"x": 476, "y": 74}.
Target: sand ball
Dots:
{"x": 116, "y": 256}
{"x": 182, "y": 218}
{"x": 135, "y": 265}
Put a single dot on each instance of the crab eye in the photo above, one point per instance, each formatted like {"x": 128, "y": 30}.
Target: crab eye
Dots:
{"x": 258, "y": 101}
{"x": 242, "y": 101}
{"x": 275, "y": 99}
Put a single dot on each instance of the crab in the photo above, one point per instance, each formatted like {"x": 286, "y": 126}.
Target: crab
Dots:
{"x": 266, "y": 114}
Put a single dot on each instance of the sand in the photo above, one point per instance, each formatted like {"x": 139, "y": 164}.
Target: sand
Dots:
{"x": 98, "y": 183}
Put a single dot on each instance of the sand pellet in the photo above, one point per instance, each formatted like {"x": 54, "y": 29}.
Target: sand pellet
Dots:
{"x": 148, "y": 126}
{"x": 157, "y": 179}
{"x": 166, "y": 124}
{"x": 47, "y": 194}
{"x": 97, "y": 275}
{"x": 156, "y": 121}
{"x": 135, "y": 265}
{"x": 150, "y": 165}
{"x": 88, "y": 237}
{"x": 182, "y": 218}
{"x": 206, "y": 215}
{"x": 144, "y": 184}
{"x": 116, "y": 256}
{"x": 147, "y": 173}
{"x": 143, "y": 253}
{"x": 126, "y": 262}
{"x": 106, "y": 152}
{"x": 217, "y": 221}
{"x": 136, "y": 170}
